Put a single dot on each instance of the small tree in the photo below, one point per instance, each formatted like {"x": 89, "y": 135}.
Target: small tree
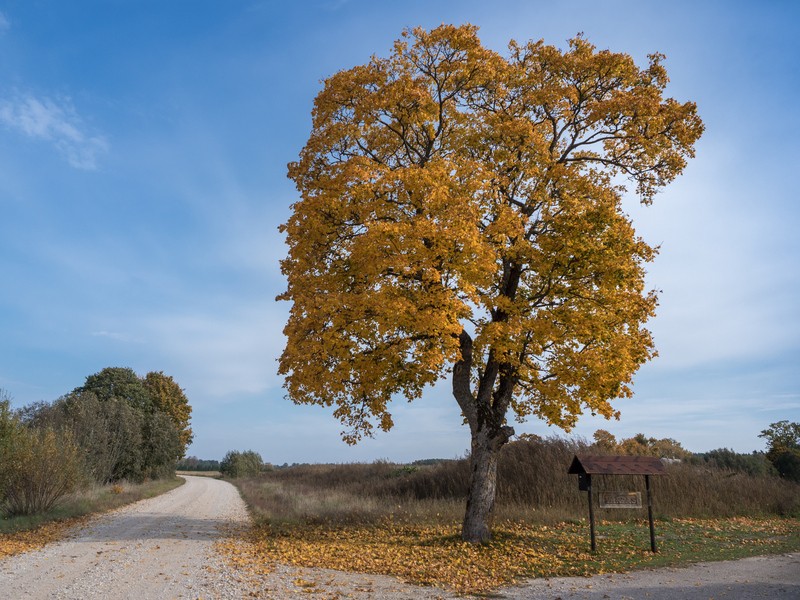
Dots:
{"x": 162, "y": 445}
{"x": 460, "y": 216}
{"x": 605, "y": 442}
{"x": 787, "y": 463}
{"x": 170, "y": 399}
{"x": 783, "y": 435}
{"x": 783, "y": 448}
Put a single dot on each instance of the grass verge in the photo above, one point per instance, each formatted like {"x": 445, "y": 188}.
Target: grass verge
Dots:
{"x": 21, "y": 534}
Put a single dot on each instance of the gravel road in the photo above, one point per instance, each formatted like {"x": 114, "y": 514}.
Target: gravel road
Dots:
{"x": 156, "y": 548}
{"x": 757, "y": 578}
{"x": 162, "y": 548}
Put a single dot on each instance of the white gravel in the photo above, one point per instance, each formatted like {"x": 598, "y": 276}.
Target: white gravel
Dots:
{"x": 758, "y": 578}
{"x": 156, "y": 548}
{"x": 163, "y": 548}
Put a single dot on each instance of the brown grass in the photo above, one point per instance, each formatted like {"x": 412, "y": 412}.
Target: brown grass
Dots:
{"x": 533, "y": 486}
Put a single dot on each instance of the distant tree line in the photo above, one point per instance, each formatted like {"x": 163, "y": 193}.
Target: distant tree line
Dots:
{"x": 117, "y": 426}
{"x": 235, "y": 464}
{"x": 192, "y": 463}
{"x": 755, "y": 463}
{"x": 782, "y": 457}
{"x": 639, "y": 445}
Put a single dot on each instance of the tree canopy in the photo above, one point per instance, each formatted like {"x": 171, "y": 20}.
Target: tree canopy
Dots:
{"x": 460, "y": 215}
{"x": 783, "y": 448}
{"x": 783, "y": 435}
{"x": 119, "y": 382}
{"x": 168, "y": 397}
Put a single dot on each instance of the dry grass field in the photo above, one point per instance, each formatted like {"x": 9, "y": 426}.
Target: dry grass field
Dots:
{"x": 404, "y": 520}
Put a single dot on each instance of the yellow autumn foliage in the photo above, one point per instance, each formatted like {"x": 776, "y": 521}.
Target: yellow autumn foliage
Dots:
{"x": 38, "y": 537}
{"x": 170, "y": 399}
{"x": 448, "y": 191}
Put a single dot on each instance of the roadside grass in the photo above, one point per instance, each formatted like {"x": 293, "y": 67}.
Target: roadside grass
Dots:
{"x": 24, "y": 533}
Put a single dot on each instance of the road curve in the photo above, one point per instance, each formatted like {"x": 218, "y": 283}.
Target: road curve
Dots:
{"x": 156, "y": 548}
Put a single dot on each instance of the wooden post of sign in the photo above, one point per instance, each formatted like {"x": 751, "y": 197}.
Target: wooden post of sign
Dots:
{"x": 591, "y": 512}
{"x": 650, "y": 514}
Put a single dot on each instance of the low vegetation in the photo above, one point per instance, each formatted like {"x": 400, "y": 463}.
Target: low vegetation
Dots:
{"x": 404, "y": 520}
{"x": 241, "y": 464}
{"x": 116, "y": 427}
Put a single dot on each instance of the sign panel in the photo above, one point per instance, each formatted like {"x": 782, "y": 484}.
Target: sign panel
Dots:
{"x": 620, "y": 500}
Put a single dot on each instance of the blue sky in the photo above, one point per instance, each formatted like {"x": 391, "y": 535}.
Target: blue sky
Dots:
{"x": 143, "y": 152}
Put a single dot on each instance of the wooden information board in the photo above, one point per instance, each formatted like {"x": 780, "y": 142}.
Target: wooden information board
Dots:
{"x": 620, "y": 500}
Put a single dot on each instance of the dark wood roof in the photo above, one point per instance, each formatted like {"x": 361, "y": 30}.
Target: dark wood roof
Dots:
{"x": 617, "y": 465}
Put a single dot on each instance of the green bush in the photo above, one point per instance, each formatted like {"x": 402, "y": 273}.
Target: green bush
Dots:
{"x": 10, "y": 431}
{"x": 787, "y": 463}
{"x": 241, "y": 464}
{"x": 43, "y": 467}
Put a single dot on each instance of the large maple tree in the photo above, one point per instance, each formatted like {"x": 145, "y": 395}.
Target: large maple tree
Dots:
{"x": 460, "y": 216}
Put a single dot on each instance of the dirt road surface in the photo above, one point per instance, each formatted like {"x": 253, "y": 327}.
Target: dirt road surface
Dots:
{"x": 757, "y": 578}
{"x": 156, "y": 548}
{"x": 163, "y": 548}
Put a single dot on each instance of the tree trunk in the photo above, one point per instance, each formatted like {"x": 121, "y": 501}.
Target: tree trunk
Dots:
{"x": 483, "y": 482}
{"x": 485, "y": 416}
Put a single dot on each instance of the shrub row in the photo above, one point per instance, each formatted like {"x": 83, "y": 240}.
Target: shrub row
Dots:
{"x": 117, "y": 426}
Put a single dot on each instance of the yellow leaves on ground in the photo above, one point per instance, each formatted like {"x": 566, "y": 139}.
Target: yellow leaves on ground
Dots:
{"x": 435, "y": 554}
{"x": 33, "y": 539}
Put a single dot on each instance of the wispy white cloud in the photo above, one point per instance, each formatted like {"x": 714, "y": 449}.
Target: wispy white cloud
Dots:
{"x": 57, "y": 122}
{"x": 5, "y": 24}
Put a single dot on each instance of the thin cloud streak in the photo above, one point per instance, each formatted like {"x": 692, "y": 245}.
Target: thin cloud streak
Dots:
{"x": 55, "y": 122}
